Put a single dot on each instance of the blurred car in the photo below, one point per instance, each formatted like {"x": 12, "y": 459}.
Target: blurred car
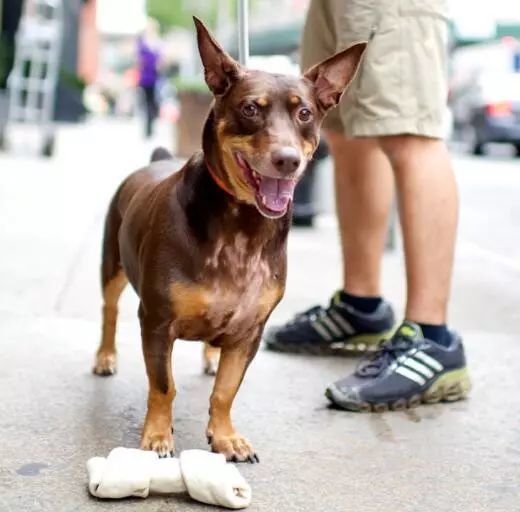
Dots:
{"x": 488, "y": 110}
{"x": 485, "y": 95}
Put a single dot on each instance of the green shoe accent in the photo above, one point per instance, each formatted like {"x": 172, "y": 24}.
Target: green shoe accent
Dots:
{"x": 337, "y": 298}
{"x": 363, "y": 342}
{"x": 406, "y": 330}
{"x": 451, "y": 386}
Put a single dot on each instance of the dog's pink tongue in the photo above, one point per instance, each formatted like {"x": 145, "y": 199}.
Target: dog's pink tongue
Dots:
{"x": 276, "y": 193}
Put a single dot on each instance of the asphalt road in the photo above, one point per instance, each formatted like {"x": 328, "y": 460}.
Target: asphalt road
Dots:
{"x": 55, "y": 414}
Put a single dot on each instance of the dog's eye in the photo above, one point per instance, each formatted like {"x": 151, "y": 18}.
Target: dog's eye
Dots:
{"x": 250, "y": 110}
{"x": 304, "y": 115}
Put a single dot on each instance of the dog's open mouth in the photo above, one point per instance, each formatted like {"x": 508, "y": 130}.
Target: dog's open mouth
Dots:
{"x": 272, "y": 195}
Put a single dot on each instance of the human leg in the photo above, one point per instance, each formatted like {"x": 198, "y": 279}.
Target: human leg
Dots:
{"x": 150, "y": 109}
{"x": 428, "y": 210}
{"x": 364, "y": 195}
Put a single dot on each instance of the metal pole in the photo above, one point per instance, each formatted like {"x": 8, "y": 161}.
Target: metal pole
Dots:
{"x": 243, "y": 32}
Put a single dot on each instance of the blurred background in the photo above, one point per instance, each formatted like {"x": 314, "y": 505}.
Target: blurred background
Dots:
{"x": 87, "y": 90}
{"x": 79, "y": 61}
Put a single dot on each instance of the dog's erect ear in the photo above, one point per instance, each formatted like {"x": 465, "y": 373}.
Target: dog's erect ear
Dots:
{"x": 220, "y": 70}
{"x": 332, "y": 76}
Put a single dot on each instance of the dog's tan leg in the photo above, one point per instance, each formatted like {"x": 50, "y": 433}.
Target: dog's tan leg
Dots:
{"x": 106, "y": 355}
{"x": 211, "y": 358}
{"x": 157, "y": 349}
{"x": 221, "y": 434}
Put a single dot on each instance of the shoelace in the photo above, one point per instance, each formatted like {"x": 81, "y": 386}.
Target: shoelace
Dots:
{"x": 311, "y": 314}
{"x": 316, "y": 312}
{"x": 389, "y": 351}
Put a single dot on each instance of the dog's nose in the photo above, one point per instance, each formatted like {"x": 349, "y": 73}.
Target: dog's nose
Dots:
{"x": 286, "y": 159}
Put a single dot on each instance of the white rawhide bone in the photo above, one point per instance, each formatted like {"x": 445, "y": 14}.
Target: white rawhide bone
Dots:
{"x": 207, "y": 477}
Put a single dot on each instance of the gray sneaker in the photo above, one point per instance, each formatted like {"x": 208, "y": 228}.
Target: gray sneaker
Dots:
{"x": 407, "y": 370}
{"x": 337, "y": 329}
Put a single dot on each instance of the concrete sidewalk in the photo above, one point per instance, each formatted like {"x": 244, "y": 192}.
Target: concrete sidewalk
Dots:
{"x": 56, "y": 414}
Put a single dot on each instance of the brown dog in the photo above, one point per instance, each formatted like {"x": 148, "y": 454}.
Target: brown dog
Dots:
{"x": 205, "y": 248}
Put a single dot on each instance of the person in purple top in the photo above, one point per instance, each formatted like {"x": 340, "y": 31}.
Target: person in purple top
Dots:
{"x": 149, "y": 58}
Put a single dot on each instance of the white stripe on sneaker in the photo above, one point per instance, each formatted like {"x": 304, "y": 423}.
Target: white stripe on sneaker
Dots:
{"x": 411, "y": 375}
{"x": 331, "y": 325}
{"x": 403, "y": 357}
{"x": 432, "y": 363}
{"x": 342, "y": 322}
{"x": 419, "y": 367}
{"x": 321, "y": 331}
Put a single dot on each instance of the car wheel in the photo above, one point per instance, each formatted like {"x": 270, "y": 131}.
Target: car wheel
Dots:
{"x": 471, "y": 140}
{"x": 517, "y": 149}
{"x": 477, "y": 149}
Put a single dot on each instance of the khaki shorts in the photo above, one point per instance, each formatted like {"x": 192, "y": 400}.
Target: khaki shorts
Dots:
{"x": 401, "y": 85}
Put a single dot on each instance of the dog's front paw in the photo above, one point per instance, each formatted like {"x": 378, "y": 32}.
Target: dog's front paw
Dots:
{"x": 235, "y": 447}
{"x": 106, "y": 364}
{"x": 160, "y": 442}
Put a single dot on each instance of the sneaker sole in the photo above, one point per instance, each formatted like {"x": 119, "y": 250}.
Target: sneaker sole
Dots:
{"x": 450, "y": 387}
{"x": 357, "y": 344}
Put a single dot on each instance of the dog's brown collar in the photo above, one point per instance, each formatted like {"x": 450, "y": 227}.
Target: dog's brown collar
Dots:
{"x": 218, "y": 180}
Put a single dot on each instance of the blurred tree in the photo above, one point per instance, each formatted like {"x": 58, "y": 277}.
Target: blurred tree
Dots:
{"x": 178, "y": 13}
{"x": 217, "y": 14}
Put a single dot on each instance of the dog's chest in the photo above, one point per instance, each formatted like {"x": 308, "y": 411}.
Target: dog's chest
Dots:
{"x": 238, "y": 289}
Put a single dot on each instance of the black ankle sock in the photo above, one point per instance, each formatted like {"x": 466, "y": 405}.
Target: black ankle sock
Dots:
{"x": 437, "y": 333}
{"x": 363, "y": 304}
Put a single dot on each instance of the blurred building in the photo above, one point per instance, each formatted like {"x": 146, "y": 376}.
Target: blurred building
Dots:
{"x": 118, "y": 23}
{"x": 69, "y": 99}
{"x": 78, "y": 59}
{"x": 482, "y": 20}
{"x": 88, "y": 43}
{"x": 10, "y": 13}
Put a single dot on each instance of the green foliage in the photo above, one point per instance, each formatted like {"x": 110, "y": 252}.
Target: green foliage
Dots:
{"x": 194, "y": 84}
{"x": 169, "y": 13}
{"x": 178, "y": 13}
{"x": 71, "y": 80}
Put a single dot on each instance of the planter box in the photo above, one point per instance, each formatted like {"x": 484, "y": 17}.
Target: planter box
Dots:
{"x": 194, "y": 108}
